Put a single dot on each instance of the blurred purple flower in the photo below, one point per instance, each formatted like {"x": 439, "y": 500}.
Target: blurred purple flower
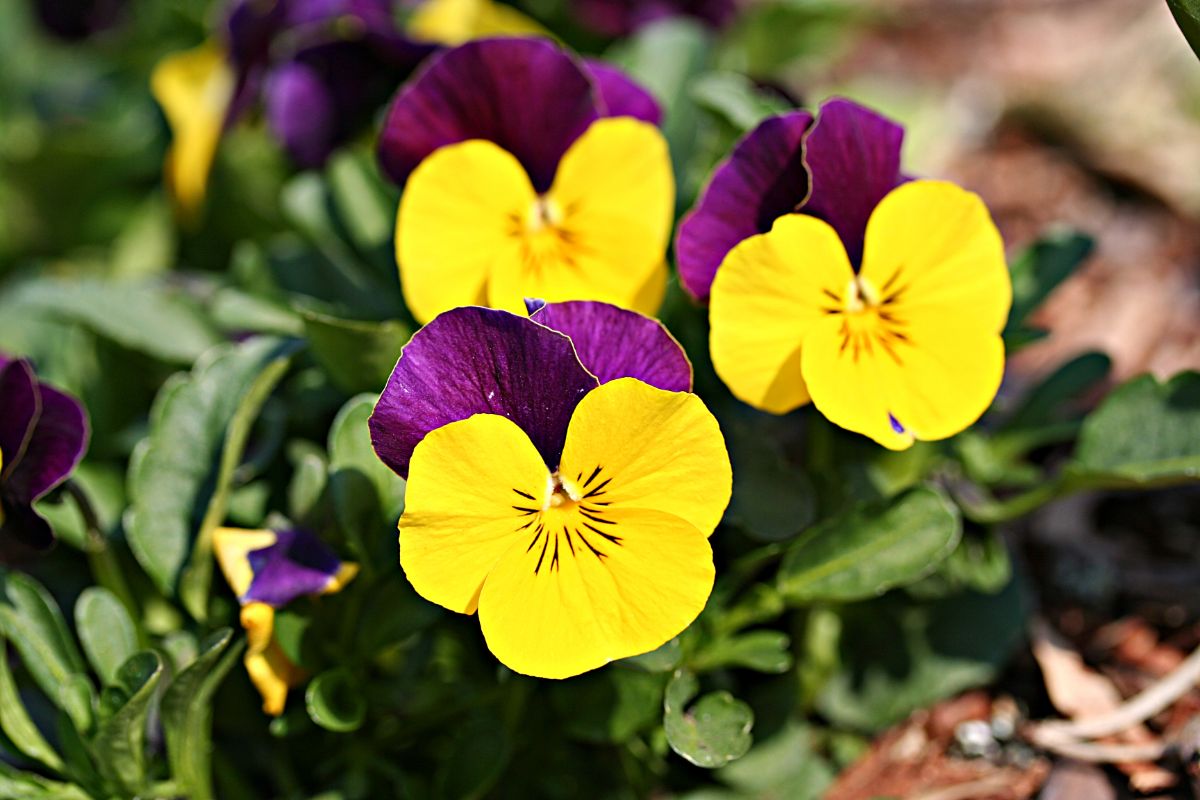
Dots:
{"x": 623, "y": 17}
{"x": 43, "y": 434}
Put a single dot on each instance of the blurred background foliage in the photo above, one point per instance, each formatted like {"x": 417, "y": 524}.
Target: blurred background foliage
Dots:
{"x": 229, "y": 367}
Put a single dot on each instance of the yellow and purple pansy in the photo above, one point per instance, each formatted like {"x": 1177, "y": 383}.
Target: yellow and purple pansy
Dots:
{"x": 267, "y": 569}
{"x": 320, "y": 68}
{"x": 562, "y": 480}
{"x": 527, "y": 172}
{"x": 43, "y": 435}
{"x": 623, "y": 17}
{"x": 834, "y": 278}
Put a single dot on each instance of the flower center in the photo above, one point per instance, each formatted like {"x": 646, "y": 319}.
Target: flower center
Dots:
{"x": 545, "y": 213}
{"x": 560, "y": 495}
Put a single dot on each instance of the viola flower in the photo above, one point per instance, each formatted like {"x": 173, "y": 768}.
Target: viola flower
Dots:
{"x": 838, "y": 280}
{"x": 320, "y": 68}
{"x": 529, "y": 174}
{"x": 267, "y": 569}
{"x": 43, "y": 435}
{"x": 562, "y": 480}
{"x": 623, "y": 17}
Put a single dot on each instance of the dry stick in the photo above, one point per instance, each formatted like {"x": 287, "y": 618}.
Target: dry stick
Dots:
{"x": 1159, "y": 696}
{"x": 1102, "y": 753}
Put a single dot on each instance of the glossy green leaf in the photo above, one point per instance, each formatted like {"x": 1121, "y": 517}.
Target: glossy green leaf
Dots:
{"x": 710, "y": 733}
{"x": 980, "y": 563}
{"x": 1187, "y": 14}
{"x": 20, "y": 785}
{"x": 149, "y": 317}
{"x": 358, "y": 355}
{"x": 764, "y": 651}
{"x": 108, "y": 634}
{"x": 897, "y": 655}
{"x": 736, "y": 99}
{"x": 173, "y": 476}
{"x": 31, "y": 620}
{"x": 187, "y": 714}
{"x": 335, "y": 701}
{"x": 608, "y": 705}
{"x": 1057, "y": 396}
{"x": 363, "y": 201}
{"x": 772, "y": 499}
{"x": 1041, "y": 268}
{"x": 368, "y": 498}
{"x": 18, "y": 727}
{"x": 1145, "y": 433}
{"x": 120, "y": 740}
{"x": 784, "y": 767}
{"x": 871, "y": 549}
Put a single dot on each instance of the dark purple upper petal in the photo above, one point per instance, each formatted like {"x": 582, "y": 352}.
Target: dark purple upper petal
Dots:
{"x": 20, "y": 407}
{"x": 55, "y": 448}
{"x": 301, "y": 112}
{"x": 23, "y": 533}
{"x": 297, "y": 564}
{"x": 853, "y": 155}
{"x": 616, "y": 343}
{"x": 622, "y": 96}
{"x": 480, "y": 361}
{"x": 763, "y": 179}
{"x": 623, "y": 17}
{"x": 524, "y": 94}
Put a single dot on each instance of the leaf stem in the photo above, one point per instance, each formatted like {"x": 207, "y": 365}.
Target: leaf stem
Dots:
{"x": 103, "y": 561}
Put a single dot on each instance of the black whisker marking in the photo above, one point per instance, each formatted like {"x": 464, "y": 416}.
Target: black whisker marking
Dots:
{"x": 584, "y": 539}
{"x": 610, "y": 537}
{"x": 536, "y": 536}
{"x": 523, "y": 494}
{"x": 554, "y": 558}
{"x": 591, "y": 477}
{"x": 594, "y": 518}
{"x": 545, "y": 544}
{"x": 570, "y": 544}
{"x": 599, "y": 486}
{"x": 526, "y": 511}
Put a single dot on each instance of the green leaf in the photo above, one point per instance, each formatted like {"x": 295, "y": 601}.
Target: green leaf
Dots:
{"x": 480, "y": 752}
{"x": 408, "y": 614}
{"x": 16, "y": 723}
{"x": 735, "y": 98}
{"x": 120, "y": 740}
{"x": 898, "y": 655}
{"x": 1145, "y": 433}
{"x": 1187, "y": 15}
{"x": 772, "y": 500}
{"x": 871, "y": 549}
{"x": 1041, "y": 268}
{"x": 980, "y": 563}
{"x": 173, "y": 476}
{"x": 783, "y": 766}
{"x": 367, "y": 496}
{"x": 765, "y": 651}
{"x": 335, "y": 701}
{"x": 187, "y": 714}
{"x": 1056, "y": 397}
{"x": 712, "y": 732}
{"x": 32, "y": 621}
{"x": 358, "y": 355}
{"x": 19, "y": 785}
{"x": 149, "y": 317}
{"x": 108, "y": 634}
{"x": 609, "y": 705}
{"x": 665, "y": 57}
{"x": 362, "y": 199}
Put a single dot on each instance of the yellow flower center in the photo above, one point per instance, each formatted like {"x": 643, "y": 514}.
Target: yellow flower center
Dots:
{"x": 868, "y": 319}
{"x": 543, "y": 234}
{"x": 572, "y": 520}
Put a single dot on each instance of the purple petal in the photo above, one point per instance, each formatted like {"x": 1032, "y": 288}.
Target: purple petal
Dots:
{"x": 20, "y": 406}
{"x": 23, "y": 534}
{"x": 615, "y": 343}
{"x": 297, "y": 564}
{"x": 622, "y": 96}
{"x": 59, "y": 440}
{"x": 301, "y": 112}
{"x": 526, "y": 95}
{"x": 763, "y": 179}
{"x": 853, "y": 155}
{"x": 623, "y": 17}
{"x": 480, "y": 361}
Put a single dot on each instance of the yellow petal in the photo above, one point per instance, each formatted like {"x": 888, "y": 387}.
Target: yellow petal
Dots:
{"x": 853, "y": 388}
{"x": 567, "y": 606}
{"x": 470, "y": 487}
{"x": 453, "y": 22}
{"x": 347, "y": 572}
{"x": 258, "y": 620}
{"x": 601, "y": 231}
{"x": 937, "y": 243}
{"x": 272, "y": 674}
{"x": 232, "y": 547}
{"x": 194, "y": 88}
{"x": 769, "y": 292}
{"x": 630, "y": 445}
{"x": 462, "y": 210}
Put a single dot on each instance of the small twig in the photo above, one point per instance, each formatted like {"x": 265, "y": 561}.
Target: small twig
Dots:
{"x": 1100, "y": 752}
{"x": 1159, "y": 696}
